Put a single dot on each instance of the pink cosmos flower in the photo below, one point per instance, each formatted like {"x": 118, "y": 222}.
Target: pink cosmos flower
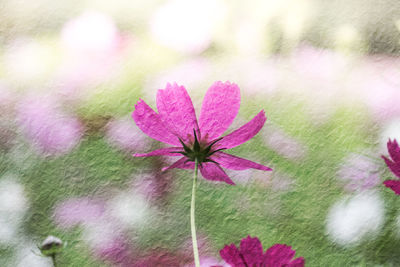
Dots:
{"x": 251, "y": 253}
{"x": 394, "y": 165}
{"x": 176, "y": 124}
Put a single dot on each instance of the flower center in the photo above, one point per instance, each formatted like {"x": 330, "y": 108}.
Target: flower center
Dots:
{"x": 199, "y": 151}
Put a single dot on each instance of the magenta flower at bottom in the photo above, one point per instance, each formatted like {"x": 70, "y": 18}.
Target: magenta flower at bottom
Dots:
{"x": 251, "y": 254}
{"x": 199, "y": 140}
{"x": 394, "y": 165}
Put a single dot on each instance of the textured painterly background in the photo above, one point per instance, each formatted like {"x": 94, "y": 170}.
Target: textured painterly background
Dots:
{"x": 327, "y": 74}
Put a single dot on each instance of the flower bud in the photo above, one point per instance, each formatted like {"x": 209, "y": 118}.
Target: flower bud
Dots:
{"x": 51, "y": 246}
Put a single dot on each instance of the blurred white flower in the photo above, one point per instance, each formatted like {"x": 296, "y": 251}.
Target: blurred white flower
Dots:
{"x": 27, "y": 61}
{"x": 12, "y": 196}
{"x": 100, "y": 232}
{"x": 29, "y": 255}
{"x": 129, "y": 209}
{"x": 91, "y": 32}
{"x": 353, "y": 218}
{"x": 187, "y": 25}
{"x": 13, "y": 205}
{"x": 391, "y": 129}
{"x": 295, "y": 17}
{"x": 8, "y": 231}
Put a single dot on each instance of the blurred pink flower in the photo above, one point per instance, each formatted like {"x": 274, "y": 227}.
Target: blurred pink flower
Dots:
{"x": 251, "y": 253}
{"x": 316, "y": 80}
{"x": 51, "y": 131}
{"x": 206, "y": 252}
{"x": 92, "y": 48}
{"x": 209, "y": 262}
{"x": 285, "y": 145}
{"x": 176, "y": 124}
{"x": 259, "y": 77}
{"x": 116, "y": 251}
{"x": 394, "y": 165}
{"x": 379, "y": 82}
{"x": 124, "y": 135}
{"x": 318, "y": 65}
{"x": 75, "y": 211}
{"x": 161, "y": 258}
{"x": 154, "y": 186}
{"x": 359, "y": 172}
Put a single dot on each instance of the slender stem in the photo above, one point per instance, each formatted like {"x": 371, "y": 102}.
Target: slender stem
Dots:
{"x": 192, "y": 223}
{"x": 53, "y": 259}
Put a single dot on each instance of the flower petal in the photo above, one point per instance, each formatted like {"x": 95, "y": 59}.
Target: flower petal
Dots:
{"x": 231, "y": 255}
{"x": 244, "y": 133}
{"x": 180, "y": 164}
{"x": 213, "y": 172}
{"x": 278, "y": 255}
{"x": 298, "y": 262}
{"x": 176, "y": 110}
{"x": 161, "y": 152}
{"x": 394, "y": 185}
{"x": 394, "y": 150}
{"x": 150, "y": 123}
{"x": 395, "y": 168}
{"x": 235, "y": 163}
{"x": 220, "y": 107}
{"x": 252, "y": 251}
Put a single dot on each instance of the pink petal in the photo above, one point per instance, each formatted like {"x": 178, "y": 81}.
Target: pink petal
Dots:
{"x": 394, "y": 185}
{"x": 279, "y": 255}
{"x": 180, "y": 164}
{"x": 150, "y": 123}
{"x": 74, "y": 211}
{"x": 394, "y": 150}
{"x": 235, "y": 163}
{"x": 213, "y": 172}
{"x": 395, "y": 168}
{"x": 220, "y": 107}
{"x": 176, "y": 110}
{"x": 244, "y": 133}
{"x": 251, "y": 250}
{"x": 231, "y": 255}
{"x": 161, "y": 152}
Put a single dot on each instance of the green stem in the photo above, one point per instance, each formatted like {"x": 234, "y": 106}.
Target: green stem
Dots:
{"x": 192, "y": 223}
{"x": 53, "y": 259}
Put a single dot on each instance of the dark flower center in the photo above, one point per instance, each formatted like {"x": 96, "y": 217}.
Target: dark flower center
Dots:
{"x": 199, "y": 151}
